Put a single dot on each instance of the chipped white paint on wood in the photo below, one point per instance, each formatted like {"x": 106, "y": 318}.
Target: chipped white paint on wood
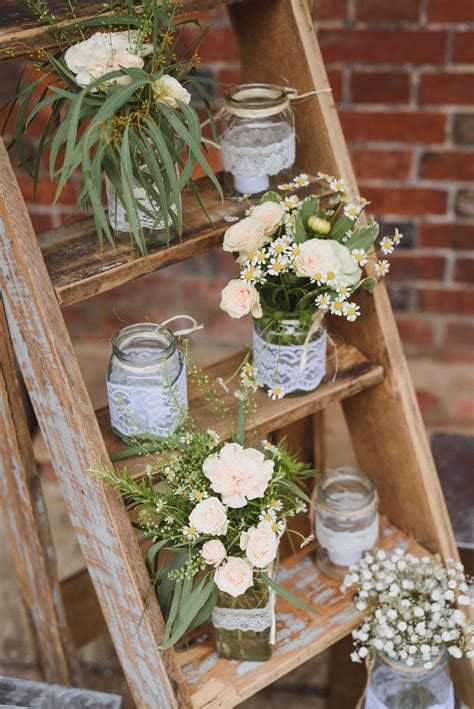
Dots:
{"x": 66, "y": 417}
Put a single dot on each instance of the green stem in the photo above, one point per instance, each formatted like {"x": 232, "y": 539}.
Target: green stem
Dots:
{"x": 241, "y": 424}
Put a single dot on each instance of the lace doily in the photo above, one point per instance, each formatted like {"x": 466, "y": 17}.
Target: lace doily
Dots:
{"x": 259, "y": 149}
{"x": 346, "y": 548}
{"x": 256, "y": 619}
{"x": 118, "y": 217}
{"x": 372, "y": 701}
{"x": 280, "y": 365}
{"x": 156, "y": 408}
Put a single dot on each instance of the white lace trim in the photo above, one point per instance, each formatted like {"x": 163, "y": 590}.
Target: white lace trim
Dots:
{"x": 258, "y": 149}
{"x": 256, "y": 619}
{"x": 280, "y": 365}
{"x": 118, "y": 217}
{"x": 373, "y": 702}
{"x": 346, "y": 548}
{"x": 156, "y": 408}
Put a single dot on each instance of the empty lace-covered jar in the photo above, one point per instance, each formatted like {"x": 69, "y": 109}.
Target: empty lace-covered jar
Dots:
{"x": 347, "y": 519}
{"x": 146, "y": 382}
{"x": 258, "y": 139}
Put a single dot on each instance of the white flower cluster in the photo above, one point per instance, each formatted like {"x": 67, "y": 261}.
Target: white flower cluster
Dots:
{"x": 412, "y": 606}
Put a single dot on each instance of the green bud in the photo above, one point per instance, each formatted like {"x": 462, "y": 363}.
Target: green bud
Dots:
{"x": 318, "y": 225}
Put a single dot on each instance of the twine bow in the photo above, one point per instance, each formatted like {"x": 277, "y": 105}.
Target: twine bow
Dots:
{"x": 186, "y": 330}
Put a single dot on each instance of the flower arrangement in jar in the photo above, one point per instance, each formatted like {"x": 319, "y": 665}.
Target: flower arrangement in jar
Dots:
{"x": 119, "y": 106}
{"x": 416, "y": 619}
{"x": 215, "y": 522}
{"x": 299, "y": 260}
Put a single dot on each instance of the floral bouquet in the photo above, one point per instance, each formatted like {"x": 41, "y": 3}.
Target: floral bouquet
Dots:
{"x": 119, "y": 106}
{"x": 215, "y": 521}
{"x": 300, "y": 259}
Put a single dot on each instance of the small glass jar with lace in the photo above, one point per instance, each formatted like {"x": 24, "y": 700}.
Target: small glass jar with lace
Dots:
{"x": 146, "y": 383}
{"x": 347, "y": 519}
{"x": 258, "y": 138}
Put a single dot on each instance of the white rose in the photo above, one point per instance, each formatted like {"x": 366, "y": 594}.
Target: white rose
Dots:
{"x": 270, "y": 214}
{"x": 239, "y": 299}
{"x": 234, "y": 577}
{"x": 316, "y": 257}
{"x": 213, "y": 552}
{"x": 209, "y": 517}
{"x": 169, "y": 91}
{"x": 238, "y": 474}
{"x": 244, "y": 236}
{"x": 260, "y": 545}
{"x": 350, "y": 272}
{"x": 101, "y": 53}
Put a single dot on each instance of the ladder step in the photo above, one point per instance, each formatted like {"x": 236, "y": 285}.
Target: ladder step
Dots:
{"x": 354, "y": 374}
{"x": 79, "y": 269}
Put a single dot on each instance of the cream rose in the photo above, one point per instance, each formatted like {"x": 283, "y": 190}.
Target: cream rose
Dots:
{"x": 270, "y": 214}
{"x": 169, "y": 91}
{"x": 213, "y": 552}
{"x": 260, "y": 545}
{"x": 239, "y": 299}
{"x": 101, "y": 53}
{"x": 244, "y": 236}
{"x": 238, "y": 474}
{"x": 316, "y": 256}
{"x": 350, "y": 273}
{"x": 209, "y": 517}
{"x": 234, "y": 577}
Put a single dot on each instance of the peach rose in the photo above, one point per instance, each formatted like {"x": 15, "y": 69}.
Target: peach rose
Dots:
{"x": 239, "y": 299}
{"x": 238, "y": 474}
{"x": 244, "y": 236}
{"x": 270, "y": 214}
{"x": 316, "y": 256}
{"x": 209, "y": 517}
{"x": 260, "y": 545}
{"x": 213, "y": 552}
{"x": 234, "y": 577}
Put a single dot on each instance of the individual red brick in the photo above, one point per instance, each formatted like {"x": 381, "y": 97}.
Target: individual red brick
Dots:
{"x": 380, "y": 87}
{"x": 41, "y": 222}
{"x": 405, "y": 200}
{"x": 381, "y": 164}
{"x": 420, "y": 127}
{"x": 46, "y": 191}
{"x": 464, "y": 270}
{"x": 459, "y": 333}
{"x": 335, "y": 82}
{"x": 450, "y": 87}
{"x": 464, "y": 236}
{"x": 412, "y": 267}
{"x": 454, "y": 11}
{"x": 384, "y": 46}
{"x": 447, "y": 300}
{"x": 415, "y": 331}
{"x": 387, "y": 10}
{"x": 219, "y": 45}
{"x": 447, "y": 165}
{"x": 329, "y": 10}
{"x": 463, "y": 47}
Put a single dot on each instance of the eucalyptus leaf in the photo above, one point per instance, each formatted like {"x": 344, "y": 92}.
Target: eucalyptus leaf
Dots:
{"x": 287, "y": 595}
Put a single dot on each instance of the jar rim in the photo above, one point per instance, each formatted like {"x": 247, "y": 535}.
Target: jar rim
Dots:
{"x": 256, "y": 95}
{"x": 143, "y": 331}
{"x": 354, "y": 505}
{"x": 417, "y": 668}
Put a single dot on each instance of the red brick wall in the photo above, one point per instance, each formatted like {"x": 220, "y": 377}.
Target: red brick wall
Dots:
{"x": 402, "y": 73}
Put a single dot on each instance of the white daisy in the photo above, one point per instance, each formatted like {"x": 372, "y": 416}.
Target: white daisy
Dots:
{"x": 190, "y": 532}
{"x": 351, "y": 311}
{"x": 278, "y": 527}
{"x": 397, "y": 237}
{"x": 351, "y": 210}
{"x": 360, "y": 256}
{"x": 285, "y": 187}
{"x": 337, "y": 306}
{"x": 292, "y": 201}
{"x": 343, "y": 291}
{"x": 382, "y": 267}
{"x": 323, "y": 301}
{"x": 198, "y": 495}
{"x": 301, "y": 180}
{"x": 331, "y": 278}
{"x": 276, "y": 393}
{"x": 276, "y": 505}
{"x": 251, "y": 274}
{"x": 386, "y": 245}
{"x": 278, "y": 265}
{"x": 267, "y": 516}
{"x": 259, "y": 257}
{"x": 337, "y": 185}
{"x": 279, "y": 246}
{"x": 186, "y": 438}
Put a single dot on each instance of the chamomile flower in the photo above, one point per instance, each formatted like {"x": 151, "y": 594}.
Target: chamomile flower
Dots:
{"x": 323, "y": 301}
{"x": 337, "y": 306}
{"x": 352, "y": 211}
{"x": 276, "y": 505}
{"x": 222, "y": 384}
{"x": 276, "y": 393}
{"x": 360, "y": 256}
{"x": 279, "y": 246}
{"x": 337, "y": 185}
{"x": 186, "y": 438}
{"x": 324, "y": 176}
{"x": 294, "y": 250}
{"x": 382, "y": 267}
{"x": 292, "y": 201}
{"x": 301, "y": 507}
{"x": 386, "y": 245}
{"x": 397, "y": 237}
{"x": 190, "y": 532}
{"x": 278, "y": 265}
{"x": 159, "y": 506}
{"x": 198, "y": 495}
{"x": 214, "y": 436}
{"x": 285, "y": 187}
{"x": 331, "y": 278}
{"x": 307, "y": 540}
{"x": 240, "y": 395}
{"x": 351, "y": 311}
{"x": 343, "y": 291}
{"x": 251, "y": 274}
{"x": 259, "y": 257}
{"x": 301, "y": 180}
{"x": 267, "y": 516}
{"x": 268, "y": 446}
{"x": 278, "y": 527}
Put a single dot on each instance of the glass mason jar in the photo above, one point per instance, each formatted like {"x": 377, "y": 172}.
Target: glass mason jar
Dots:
{"x": 284, "y": 356}
{"x": 150, "y": 221}
{"x": 258, "y": 139}
{"x": 243, "y": 625}
{"x": 146, "y": 382}
{"x": 394, "y": 685}
{"x": 347, "y": 519}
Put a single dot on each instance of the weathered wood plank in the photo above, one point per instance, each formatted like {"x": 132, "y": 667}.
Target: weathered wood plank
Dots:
{"x": 20, "y": 31}
{"x": 354, "y": 373}
{"x": 62, "y": 405}
{"x": 27, "y": 527}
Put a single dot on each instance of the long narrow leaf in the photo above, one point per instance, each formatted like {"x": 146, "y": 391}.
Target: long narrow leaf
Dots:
{"x": 287, "y": 595}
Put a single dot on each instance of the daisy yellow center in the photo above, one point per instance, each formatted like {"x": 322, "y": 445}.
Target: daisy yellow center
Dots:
{"x": 338, "y": 306}
{"x": 331, "y": 275}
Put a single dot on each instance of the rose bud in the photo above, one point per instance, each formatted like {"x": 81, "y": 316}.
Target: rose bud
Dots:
{"x": 318, "y": 225}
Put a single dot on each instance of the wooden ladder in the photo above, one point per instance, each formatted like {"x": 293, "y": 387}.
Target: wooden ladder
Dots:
{"x": 40, "y": 275}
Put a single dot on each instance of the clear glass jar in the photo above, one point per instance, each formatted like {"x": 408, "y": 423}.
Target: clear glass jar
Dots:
{"x": 394, "y": 685}
{"x": 243, "y": 625}
{"x": 347, "y": 519}
{"x": 282, "y": 359}
{"x": 146, "y": 382}
{"x": 258, "y": 139}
